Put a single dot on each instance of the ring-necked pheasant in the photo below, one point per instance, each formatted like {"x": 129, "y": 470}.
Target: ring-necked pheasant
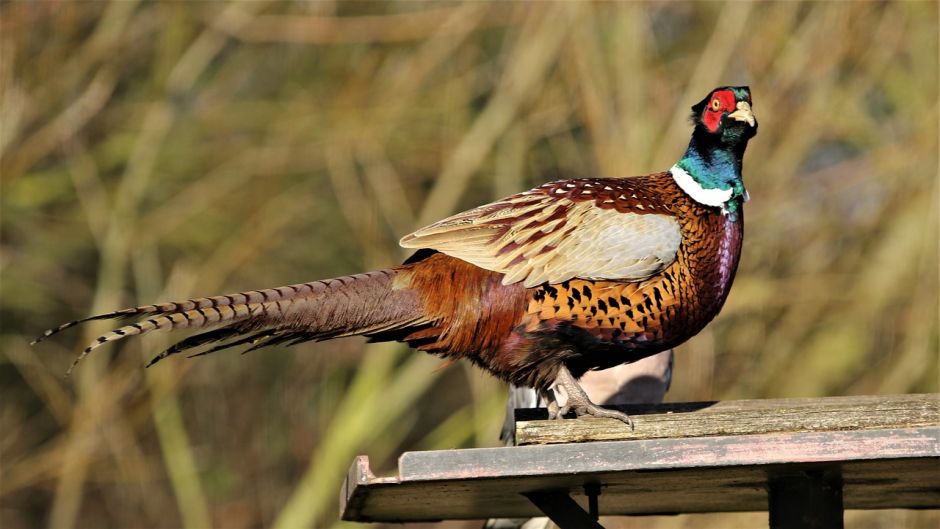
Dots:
{"x": 536, "y": 288}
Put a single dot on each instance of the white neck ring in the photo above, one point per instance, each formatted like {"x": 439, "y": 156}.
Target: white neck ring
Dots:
{"x": 709, "y": 197}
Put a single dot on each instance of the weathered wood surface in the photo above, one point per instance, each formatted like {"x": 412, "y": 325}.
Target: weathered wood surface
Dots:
{"x": 741, "y": 417}
{"x": 880, "y": 467}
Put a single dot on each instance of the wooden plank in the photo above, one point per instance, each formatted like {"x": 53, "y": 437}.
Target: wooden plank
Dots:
{"x": 636, "y": 493}
{"x": 666, "y": 454}
{"x": 879, "y": 468}
{"x": 743, "y": 417}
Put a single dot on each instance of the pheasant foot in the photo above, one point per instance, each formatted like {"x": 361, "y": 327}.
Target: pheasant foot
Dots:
{"x": 549, "y": 399}
{"x": 568, "y": 396}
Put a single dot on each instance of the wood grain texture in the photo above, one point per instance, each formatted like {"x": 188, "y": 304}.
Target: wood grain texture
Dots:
{"x": 743, "y": 417}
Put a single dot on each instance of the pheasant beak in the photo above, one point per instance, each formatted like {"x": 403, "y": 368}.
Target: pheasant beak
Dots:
{"x": 743, "y": 113}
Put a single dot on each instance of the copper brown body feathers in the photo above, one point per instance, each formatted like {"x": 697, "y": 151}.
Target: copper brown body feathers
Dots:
{"x": 523, "y": 334}
{"x": 452, "y": 308}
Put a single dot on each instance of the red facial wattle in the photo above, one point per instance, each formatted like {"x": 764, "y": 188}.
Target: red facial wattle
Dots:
{"x": 720, "y": 102}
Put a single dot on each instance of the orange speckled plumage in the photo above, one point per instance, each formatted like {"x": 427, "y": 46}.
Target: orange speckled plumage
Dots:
{"x": 589, "y": 324}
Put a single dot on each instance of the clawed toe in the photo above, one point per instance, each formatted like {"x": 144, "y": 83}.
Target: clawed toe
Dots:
{"x": 553, "y": 411}
{"x": 569, "y": 396}
{"x": 589, "y": 410}
{"x": 596, "y": 411}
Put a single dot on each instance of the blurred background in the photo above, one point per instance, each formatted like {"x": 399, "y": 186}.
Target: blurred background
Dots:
{"x": 156, "y": 150}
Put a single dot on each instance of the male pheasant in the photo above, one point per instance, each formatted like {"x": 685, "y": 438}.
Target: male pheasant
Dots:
{"x": 536, "y": 288}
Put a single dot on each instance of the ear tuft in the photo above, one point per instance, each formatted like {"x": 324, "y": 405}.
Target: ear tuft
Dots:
{"x": 698, "y": 108}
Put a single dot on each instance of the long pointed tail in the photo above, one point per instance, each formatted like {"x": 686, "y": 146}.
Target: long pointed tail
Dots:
{"x": 365, "y": 304}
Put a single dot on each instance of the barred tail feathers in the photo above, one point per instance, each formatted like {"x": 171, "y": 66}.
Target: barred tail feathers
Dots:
{"x": 240, "y": 298}
{"x": 175, "y": 320}
{"x": 359, "y": 304}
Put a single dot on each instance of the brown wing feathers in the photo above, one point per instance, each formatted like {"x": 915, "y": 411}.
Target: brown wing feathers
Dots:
{"x": 588, "y": 228}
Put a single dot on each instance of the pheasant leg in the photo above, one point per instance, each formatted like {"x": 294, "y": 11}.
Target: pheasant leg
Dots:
{"x": 568, "y": 396}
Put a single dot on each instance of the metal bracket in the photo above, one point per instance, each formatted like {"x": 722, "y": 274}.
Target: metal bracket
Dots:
{"x": 564, "y": 511}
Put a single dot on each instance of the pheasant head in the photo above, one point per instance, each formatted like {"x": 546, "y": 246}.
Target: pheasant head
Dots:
{"x": 710, "y": 169}
{"x": 726, "y": 116}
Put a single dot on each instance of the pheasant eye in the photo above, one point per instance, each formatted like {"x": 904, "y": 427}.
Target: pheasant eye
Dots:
{"x": 716, "y": 104}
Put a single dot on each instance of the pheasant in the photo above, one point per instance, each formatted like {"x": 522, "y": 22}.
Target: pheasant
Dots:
{"x": 536, "y": 288}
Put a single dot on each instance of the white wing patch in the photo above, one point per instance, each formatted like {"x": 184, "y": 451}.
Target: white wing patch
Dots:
{"x": 535, "y": 238}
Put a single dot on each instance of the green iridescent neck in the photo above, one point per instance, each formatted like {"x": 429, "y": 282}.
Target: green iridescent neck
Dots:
{"x": 715, "y": 167}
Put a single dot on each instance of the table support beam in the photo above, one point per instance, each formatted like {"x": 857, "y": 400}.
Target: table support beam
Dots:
{"x": 561, "y": 509}
{"x": 806, "y": 500}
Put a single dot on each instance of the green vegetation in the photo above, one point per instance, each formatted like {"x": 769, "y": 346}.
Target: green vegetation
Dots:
{"x": 154, "y": 150}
